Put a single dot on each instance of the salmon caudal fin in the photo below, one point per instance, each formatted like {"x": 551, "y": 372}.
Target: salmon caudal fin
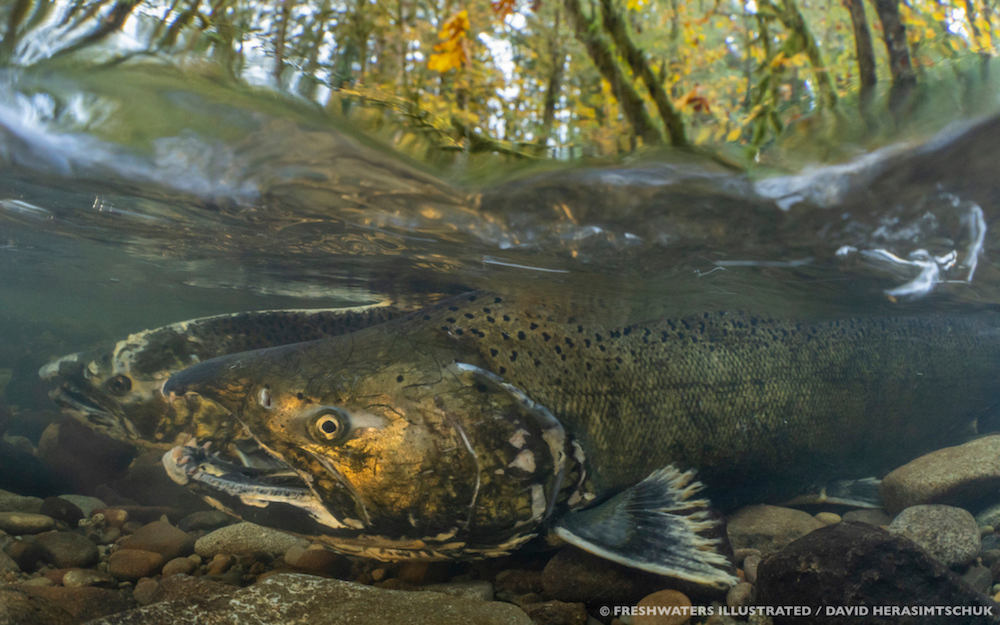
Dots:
{"x": 656, "y": 526}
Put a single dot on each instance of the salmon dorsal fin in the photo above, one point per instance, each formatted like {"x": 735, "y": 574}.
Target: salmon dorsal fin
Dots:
{"x": 657, "y": 526}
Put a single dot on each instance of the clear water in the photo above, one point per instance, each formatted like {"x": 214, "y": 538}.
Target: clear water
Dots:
{"x": 137, "y": 195}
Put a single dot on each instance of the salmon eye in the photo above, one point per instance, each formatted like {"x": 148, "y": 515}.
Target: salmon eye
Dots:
{"x": 330, "y": 425}
{"x": 119, "y": 385}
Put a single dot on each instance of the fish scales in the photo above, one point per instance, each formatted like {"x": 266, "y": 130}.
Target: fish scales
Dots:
{"x": 468, "y": 428}
{"x": 737, "y": 395}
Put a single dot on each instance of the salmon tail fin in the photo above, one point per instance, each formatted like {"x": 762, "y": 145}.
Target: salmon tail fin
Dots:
{"x": 861, "y": 493}
{"x": 658, "y": 526}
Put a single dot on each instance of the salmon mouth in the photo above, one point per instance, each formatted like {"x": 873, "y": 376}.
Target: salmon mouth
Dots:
{"x": 251, "y": 479}
{"x": 85, "y": 407}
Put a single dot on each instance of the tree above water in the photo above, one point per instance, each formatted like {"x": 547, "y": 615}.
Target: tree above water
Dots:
{"x": 562, "y": 78}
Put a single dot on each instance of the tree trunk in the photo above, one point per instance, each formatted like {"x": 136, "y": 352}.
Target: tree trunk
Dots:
{"x": 904, "y": 79}
{"x": 984, "y": 55}
{"x": 790, "y": 17}
{"x": 636, "y": 60}
{"x": 558, "y": 59}
{"x": 600, "y": 53}
{"x": 865, "y": 53}
{"x": 279, "y": 40}
{"x": 314, "y": 44}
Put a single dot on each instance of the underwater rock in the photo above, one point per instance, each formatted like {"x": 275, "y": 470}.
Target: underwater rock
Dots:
{"x": 62, "y": 510}
{"x": 828, "y": 518}
{"x": 18, "y": 607}
{"x": 12, "y": 502}
{"x": 519, "y": 581}
{"x": 556, "y": 613}
{"x": 87, "y": 577}
{"x": 22, "y": 472}
{"x": 144, "y": 592}
{"x": 948, "y": 534}
{"x": 667, "y": 599}
{"x": 18, "y": 523}
{"x": 113, "y": 517}
{"x": 81, "y": 456}
{"x": 219, "y": 564}
{"x": 573, "y": 575}
{"x": 85, "y": 503}
{"x": 290, "y": 598}
{"x": 989, "y": 516}
{"x": 207, "y": 520}
{"x": 131, "y": 565}
{"x": 26, "y": 553}
{"x": 7, "y": 565}
{"x": 188, "y": 588}
{"x": 179, "y": 566}
{"x": 750, "y": 566}
{"x": 979, "y": 578}
{"x": 246, "y": 539}
{"x": 740, "y": 595}
{"x": 871, "y": 516}
{"x": 84, "y": 603}
{"x": 852, "y": 564}
{"x": 478, "y": 589}
{"x": 67, "y": 550}
{"x": 768, "y": 528}
{"x": 318, "y": 561}
{"x": 148, "y": 484}
{"x": 955, "y": 476}
{"x": 161, "y": 537}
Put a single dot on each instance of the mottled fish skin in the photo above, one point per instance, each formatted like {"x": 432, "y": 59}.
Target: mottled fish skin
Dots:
{"x": 116, "y": 390}
{"x": 758, "y": 406}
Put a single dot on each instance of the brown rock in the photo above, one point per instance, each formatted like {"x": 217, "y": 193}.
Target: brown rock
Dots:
{"x": 81, "y": 456}
{"x": 750, "y": 568}
{"x": 87, "y": 577}
{"x": 858, "y": 564}
{"x": 163, "y": 538}
{"x": 19, "y": 607}
{"x": 740, "y": 595}
{"x": 318, "y": 562}
{"x": 556, "y": 613}
{"x": 871, "y": 516}
{"x": 115, "y": 517}
{"x": 61, "y": 510}
{"x": 416, "y": 572}
{"x": 67, "y": 550}
{"x": 133, "y": 564}
{"x": 828, "y": 518}
{"x": 768, "y": 528}
{"x": 27, "y": 554}
{"x": 179, "y": 566}
{"x": 85, "y": 603}
{"x": 291, "y": 598}
{"x": 17, "y": 523}
{"x": 220, "y": 564}
{"x": 954, "y": 475}
{"x": 144, "y": 592}
{"x": 518, "y": 581}
{"x": 673, "y": 601}
{"x": 191, "y": 588}
{"x": 573, "y": 575}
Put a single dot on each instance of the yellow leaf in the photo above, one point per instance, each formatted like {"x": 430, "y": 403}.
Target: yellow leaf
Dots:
{"x": 928, "y": 34}
{"x": 734, "y": 134}
{"x": 635, "y": 5}
{"x": 938, "y": 16}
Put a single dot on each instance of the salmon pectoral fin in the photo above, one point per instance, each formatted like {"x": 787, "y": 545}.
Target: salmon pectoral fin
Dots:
{"x": 658, "y": 526}
{"x": 861, "y": 493}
